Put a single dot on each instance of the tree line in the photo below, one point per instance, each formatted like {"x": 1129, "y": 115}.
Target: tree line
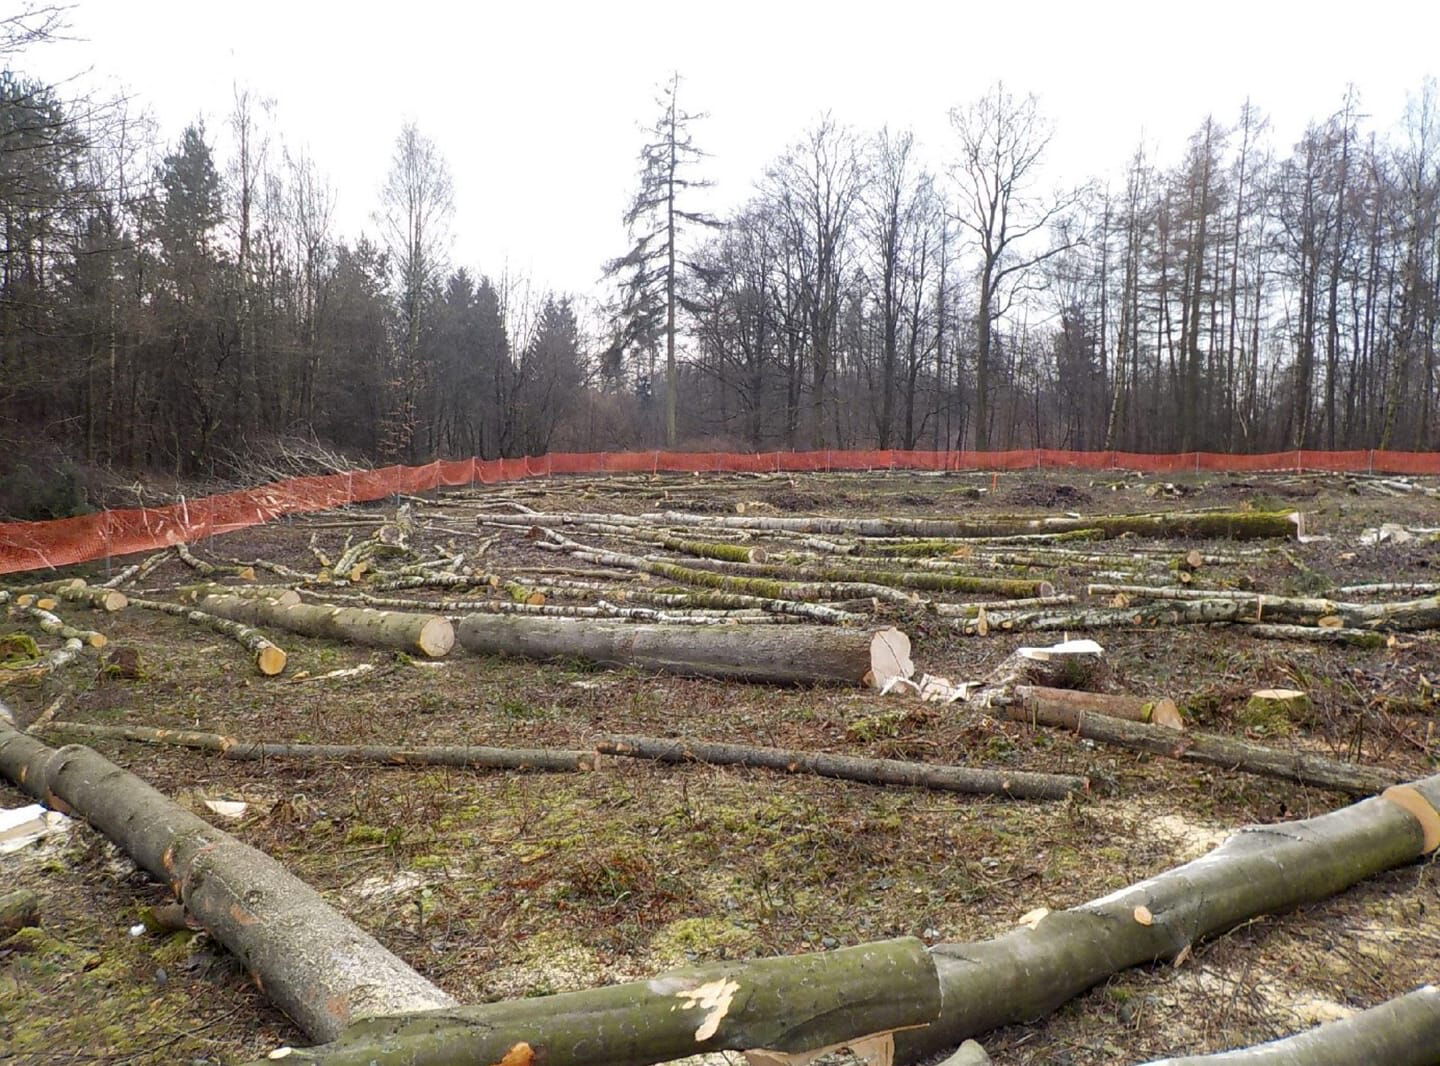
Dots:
{"x": 164, "y": 306}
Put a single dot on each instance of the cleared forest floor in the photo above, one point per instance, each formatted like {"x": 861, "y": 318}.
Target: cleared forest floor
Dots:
{"x": 499, "y": 884}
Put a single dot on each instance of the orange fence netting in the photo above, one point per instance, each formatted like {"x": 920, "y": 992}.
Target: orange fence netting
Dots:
{"x": 37, "y": 545}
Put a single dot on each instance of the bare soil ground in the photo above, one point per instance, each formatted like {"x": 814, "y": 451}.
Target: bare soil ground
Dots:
{"x": 498, "y": 885}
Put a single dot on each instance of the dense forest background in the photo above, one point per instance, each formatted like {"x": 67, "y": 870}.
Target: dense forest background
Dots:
{"x": 168, "y": 309}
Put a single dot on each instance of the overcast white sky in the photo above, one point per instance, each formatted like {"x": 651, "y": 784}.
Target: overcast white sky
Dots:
{"x": 536, "y": 104}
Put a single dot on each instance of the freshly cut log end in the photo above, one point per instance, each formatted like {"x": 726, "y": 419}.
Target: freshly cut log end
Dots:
{"x": 271, "y": 660}
{"x": 889, "y": 657}
{"x": 436, "y": 637}
{"x": 1414, "y": 803}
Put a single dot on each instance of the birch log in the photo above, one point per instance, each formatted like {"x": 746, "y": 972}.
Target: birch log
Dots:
{"x": 788, "y": 655}
{"x": 427, "y": 634}
{"x": 314, "y": 964}
{"x": 269, "y": 659}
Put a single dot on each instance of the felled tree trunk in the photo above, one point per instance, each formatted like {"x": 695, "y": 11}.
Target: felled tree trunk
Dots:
{"x": 269, "y": 659}
{"x": 1042, "y": 707}
{"x": 76, "y": 591}
{"x": 466, "y": 756}
{"x": 316, "y": 966}
{"x": 286, "y": 597}
{"x": 1018, "y": 784}
{"x": 1239, "y": 525}
{"x": 427, "y": 634}
{"x": 1068, "y": 707}
{"x": 1055, "y": 955}
{"x": 55, "y": 626}
{"x": 792, "y": 1004}
{"x": 244, "y": 572}
{"x": 1400, "y": 1032}
{"x": 787, "y": 655}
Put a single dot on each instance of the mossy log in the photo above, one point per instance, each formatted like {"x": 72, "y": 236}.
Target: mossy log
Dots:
{"x": 18, "y": 910}
{"x": 1236, "y": 525}
{"x": 1355, "y": 638}
{"x": 1038, "y": 705}
{"x": 76, "y": 591}
{"x": 735, "y": 553}
{"x": 1260, "y": 607}
{"x": 797, "y": 654}
{"x": 269, "y": 659}
{"x": 56, "y": 627}
{"x": 315, "y": 965}
{"x": 1196, "y": 612}
{"x": 426, "y": 634}
{"x": 927, "y": 580}
{"x": 1068, "y": 707}
{"x": 1266, "y": 869}
{"x": 1400, "y": 1032}
{"x": 463, "y": 756}
{"x": 792, "y": 1004}
{"x": 941, "y": 546}
{"x": 51, "y": 661}
{"x": 1017, "y": 784}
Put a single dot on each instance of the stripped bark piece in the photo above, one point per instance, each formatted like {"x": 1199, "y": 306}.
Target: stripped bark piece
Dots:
{"x": 1400, "y": 1032}
{"x": 314, "y": 964}
{"x": 790, "y": 1004}
{"x": 1017, "y": 784}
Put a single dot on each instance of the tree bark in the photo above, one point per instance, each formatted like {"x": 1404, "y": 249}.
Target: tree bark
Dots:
{"x": 1400, "y": 1032}
{"x": 316, "y": 966}
{"x": 55, "y": 626}
{"x": 790, "y": 1004}
{"x": 1027, "y": 973}
{"x": 797, "y": 654}
{"x": 1017, "y": 784}
{"x": 426, "y": 634}
{"x": 18, "y": 909}
{"x": 1032, "y": 704}
{"x": 467, "y": 757}
{"x": 269, "y": 659}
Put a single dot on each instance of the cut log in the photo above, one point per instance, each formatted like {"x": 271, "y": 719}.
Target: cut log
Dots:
{"x": 1018, "y": 784}
{"x": 18, "y": 910}
{"x": 465, "y": 756}
{"x": 269, "y": 659}
{"x": 915, "y": 579}
{"x": 1030, "y": 971}
{"x": 1255, "y": 607}
{"x": 1400, "y": 1032}
{"x": 1068, "y": 707}
{"x": 53, "y": 625}
{"x": 54, "y": 660}
{"x": 1355, "y": 638}
{"x": 243, "y": 572}
{"x": 1170, "y": 525}
{"x": 1275, "y": 708}
{"x": 314, "y": 964}
{"x": 74, "y": 590}
{"x": 787, "y": 1005}
{"x": 790, "y": 655}
{"x": 1230, "y": 753}
{"x": 428, "y": 634}
{"x": 735, "y": 553}
{"x": 286, "y": 597}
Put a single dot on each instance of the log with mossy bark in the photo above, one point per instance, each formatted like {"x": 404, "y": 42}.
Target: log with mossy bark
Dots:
{"x": 1163, "y": 613}
{"x": 1043, "y": 706}
{"x": 735, "y": 553}
{"x": 269, "y": 659}
{"x": 946, "y": 546}
{"x": 55, "y": 659}
{"x": 314, "y": 964}
{"x": 857, "y": 996}
{"x": 1017, "y": 784}
{"x": 430, "y": 635}
{"x": 1253, "y": 606}
{"x": 55, "y": 626}
{"x": 1400, "y": 1032}
{"x": 798, "y": 654}
{"x": 929, "y": 581}
{"x": 463, "y": 756}
{"x": 767, "y": 588}
{"x": 1237, "y": 525}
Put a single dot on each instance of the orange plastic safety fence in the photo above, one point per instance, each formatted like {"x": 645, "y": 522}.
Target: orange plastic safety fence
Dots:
{"x": 37, "y": 545}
